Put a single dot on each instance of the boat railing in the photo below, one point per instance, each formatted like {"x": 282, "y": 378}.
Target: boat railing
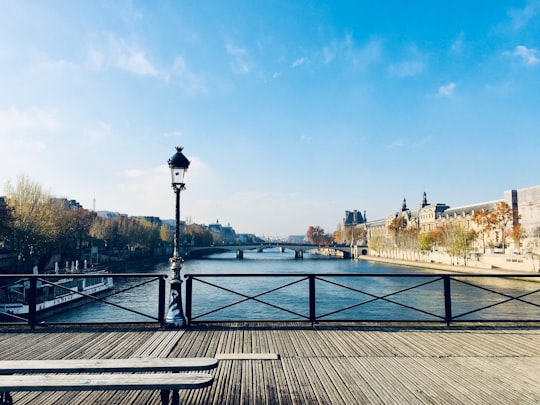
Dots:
{"x": 316, "y": 298}
{"x": 118, "y": 286}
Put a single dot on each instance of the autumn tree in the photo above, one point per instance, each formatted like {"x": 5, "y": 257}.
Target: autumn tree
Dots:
{"x": 501, "y": 217}
{"x": 458, "y": 240}
{"x": 517, "y": 234}
{"x": 431, "y": 239}
{"x": 377, "y": 243}
{"x": 485, "y": 223}
{"x": 396, "y": 226}
{"x": 316, "y": 235}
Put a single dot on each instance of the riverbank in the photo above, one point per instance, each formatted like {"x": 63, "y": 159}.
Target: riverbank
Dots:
{"x": 447, "y": 268}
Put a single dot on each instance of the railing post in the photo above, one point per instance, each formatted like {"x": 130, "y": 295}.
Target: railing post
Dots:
{"x": 189, "y": 296}
{"x": 32, "y": 301}
{"x": 161, "y": 301}
{"x": 312, "y": 307}
{"x": 447, "y": 300}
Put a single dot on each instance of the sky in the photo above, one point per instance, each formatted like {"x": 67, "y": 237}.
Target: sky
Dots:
{"x": 291, "y": 112}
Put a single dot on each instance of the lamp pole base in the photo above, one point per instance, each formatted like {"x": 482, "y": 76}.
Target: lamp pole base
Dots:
{"x": 175, "y": 315}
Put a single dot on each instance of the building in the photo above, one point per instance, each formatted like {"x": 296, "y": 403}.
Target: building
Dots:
{"x": 524, "y": 203}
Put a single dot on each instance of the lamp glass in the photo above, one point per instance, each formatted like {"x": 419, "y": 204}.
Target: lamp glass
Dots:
{"x": 178, "y": 175}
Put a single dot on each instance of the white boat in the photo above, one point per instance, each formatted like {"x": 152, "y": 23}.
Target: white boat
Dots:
{"x": 53, "y": 293}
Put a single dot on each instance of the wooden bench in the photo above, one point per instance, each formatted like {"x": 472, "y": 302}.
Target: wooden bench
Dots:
{"x": 105, "y": 374}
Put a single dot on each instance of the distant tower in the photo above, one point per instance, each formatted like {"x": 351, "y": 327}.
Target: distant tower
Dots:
{"x": 94, "y": 204}
{"x": 404, "y": 205}
{"x": 424, "y": 200}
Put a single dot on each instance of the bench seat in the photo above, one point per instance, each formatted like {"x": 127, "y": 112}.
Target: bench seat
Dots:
{"x": 102, "y": 382}
{"x": 147, "y": 373}
{"x": 133, "y": 365}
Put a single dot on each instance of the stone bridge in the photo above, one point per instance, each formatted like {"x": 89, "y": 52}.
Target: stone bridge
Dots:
{"x": 298, "y": 248}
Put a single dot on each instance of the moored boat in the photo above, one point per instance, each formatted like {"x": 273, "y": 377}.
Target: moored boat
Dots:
{"x": 53, "y": 293}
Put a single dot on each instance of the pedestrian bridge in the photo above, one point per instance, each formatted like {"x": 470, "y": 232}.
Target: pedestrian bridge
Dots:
{"x": 298, "y": 248}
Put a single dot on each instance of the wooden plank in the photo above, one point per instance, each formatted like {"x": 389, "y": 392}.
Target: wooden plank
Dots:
{"x": 91, "y": 382}
{"x": 149, "y": 364}
{"x": 247, "y": 356}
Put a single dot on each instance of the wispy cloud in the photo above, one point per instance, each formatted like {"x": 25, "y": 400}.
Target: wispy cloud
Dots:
{"x": 521, "y": 17}
{"x": 117, "y": 53}
{"x": 356, "y": 54}
{"x": 298, "y": 62}
{"x": 423, "y": 141}
{"x": 369, "y": 53}
{"x": 34, "y": 119}
{"x": 412, "y": 64}
{"x": 186, "y": 78}
{"x": 528, "y": 56}
{"x": 120, "y": 54}
{"x": 447, "y": 90}
{"x": 406, "y": 68}
{"x": 397, "y": 143}
{"x": 240, "y": 59}
{"x": 99, "y": 131}
{"x": 457, "y": 44}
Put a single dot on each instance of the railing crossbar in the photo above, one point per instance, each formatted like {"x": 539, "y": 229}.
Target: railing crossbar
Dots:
{"x": 248, "y": 298}
{"x": 510, "y": 298}
{"x": 376, "y": 298}
{"x": 104, "y": 301}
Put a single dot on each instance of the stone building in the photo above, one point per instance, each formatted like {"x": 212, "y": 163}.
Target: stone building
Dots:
{"x": 525, "y": 205}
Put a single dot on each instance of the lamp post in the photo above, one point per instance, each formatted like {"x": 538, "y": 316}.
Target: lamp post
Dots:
{"x": 178, "y": 164}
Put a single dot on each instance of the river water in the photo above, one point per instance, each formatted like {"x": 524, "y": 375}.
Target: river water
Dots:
{"x": 337, "y": 298}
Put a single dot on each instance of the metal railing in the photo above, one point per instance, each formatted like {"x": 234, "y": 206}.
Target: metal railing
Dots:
{"x": 39, "y": 299}
{"x": 363, "y": 297}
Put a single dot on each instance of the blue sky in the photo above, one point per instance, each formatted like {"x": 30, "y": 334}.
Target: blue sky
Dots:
{"x": 291, "y": 112}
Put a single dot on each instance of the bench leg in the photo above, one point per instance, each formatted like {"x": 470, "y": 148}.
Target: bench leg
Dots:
{"x": 165, "y": 397}
{"x": 175, "y": 398}
{"x": 5, "y": 398}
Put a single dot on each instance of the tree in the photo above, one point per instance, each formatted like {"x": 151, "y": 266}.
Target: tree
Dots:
{"x": 6, "y": 221}
{"x": 517, "y": 234}
{"x": 316, "y": 235}
{"x": 485, "y": 223}
{"x": 35, "y": 223}
{"x": 196, "y": 235}
{"x": 396, "y": 226}
{"x": 501, "y": 216}
{"x": 427, "y": 241}
{"x": 458, "y": 240}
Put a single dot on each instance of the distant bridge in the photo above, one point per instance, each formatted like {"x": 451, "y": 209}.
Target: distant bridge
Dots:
{"x": 298, "y": 248}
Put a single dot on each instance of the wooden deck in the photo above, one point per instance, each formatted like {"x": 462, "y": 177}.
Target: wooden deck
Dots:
{"x": 300, "y": 364}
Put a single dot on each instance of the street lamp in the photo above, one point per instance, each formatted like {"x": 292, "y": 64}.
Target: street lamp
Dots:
{"x": 178, "y": 164}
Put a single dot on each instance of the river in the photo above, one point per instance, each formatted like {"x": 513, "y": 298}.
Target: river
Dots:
{"x": 337, "y": 293}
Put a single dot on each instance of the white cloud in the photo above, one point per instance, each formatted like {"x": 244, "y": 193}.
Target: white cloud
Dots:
{"x": 397, "y": 143}
{"x": 348, "y": 50}
{"x": 521, "y": 17}
{"x": 241, "y": 62}
{"x": 371, "y": 52}
{"x": 447, "y": 90}
{"x": 35, "y": 119}
{"x": 457, "y": 45}
{"x": 98, "y": 132}
{"x": 185, "y": 78}
{"x": 528, "y": 56}
{"x": 136, "y": 62}
{"x": 119, "y": 54}
{"x": 406, "y": 68}
{"x": 298, "y": 62}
